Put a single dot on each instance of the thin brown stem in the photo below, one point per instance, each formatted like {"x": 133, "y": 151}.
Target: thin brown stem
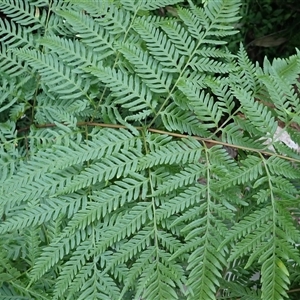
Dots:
{"x": 208, "y": 142}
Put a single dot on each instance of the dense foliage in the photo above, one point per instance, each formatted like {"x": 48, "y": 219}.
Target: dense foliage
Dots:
{"x": 142, "y": 159}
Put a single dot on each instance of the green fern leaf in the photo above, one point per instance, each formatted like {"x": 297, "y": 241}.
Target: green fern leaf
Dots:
{"x": 159, "y": 46}
{"x": 22, "y": 13}
{"x": 128, "y": 90}
{"x": 58, "y": 77}
{"x": 147, "y": 68}
{"x": 71, "y": 52}
{"x": 186, "y": 150}
{"x": 90, "y": 33}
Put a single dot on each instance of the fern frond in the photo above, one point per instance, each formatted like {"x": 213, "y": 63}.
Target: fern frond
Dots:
{"x": 189, "y": 175}
{"x": 279, "y": 166}
{"x": 33, "y": 216}
{"x": 99, "y": 286}
{"x": 179, "y": 37}
{"x": 13, "y": 35}
{"x": 206, "y": 64}
{"x": 251, "y": 169}
{"x": 92, "y": 284}
{"x": 79, "y": 281}
{"x": 207, "y": 51}
{"x": 147, "y": 4}
{"x": 218, "y": 14}
{"x": 58, "y": 77}
{"x": 147, "y": 68}
{"x": 176, "y": 119}
{"x": 185, "y": 199}
{"x": 106, "y": 201}
{"x": 159, "y": 46}
{"x": 95, "y": 8}
{"x": 142, "y": 263}
{"x": 125, "y": 226}
{"x": 90, "y": 33}
{"x": 22, "y": 13}
{"x": 204, "y": 260}
{"x": 201, "y": 103}
{"x": 163, "y": 278}
{"x": 32, "y": 245}
{"x": 64, "y": 113}
{"x": 235, "y": 290}
{"x": 260, "y": 115}
{"x": 207, "y": 22}
{"x": 286, "y": 68}
{"x": 116, "y": 20}
{"x": 247, "y": 78}
{"x": 283, "y": 95}
{"x": 194, "y": 25}
{"x": 257, "y": 241}
{"x": 117, "y": 175}
{"x": 73, "y": 53}
{"x": 71, "y": 268}
{"x": 249, "y": 224}
{"x": 286, "y": 223}
{"x": 10, "y": 66}
{"x": 209, "y": 272}
{"x": 106, "y": 142}
{"x": 274, "y": 286}
{"x": 186, "y": 150}
{"x": 116, "y": 166}
{"x": 128, "y": 90}
{"x": 61, "y": 246}
{"x": 56, "y": 250}
{"x": 130, "y": 249}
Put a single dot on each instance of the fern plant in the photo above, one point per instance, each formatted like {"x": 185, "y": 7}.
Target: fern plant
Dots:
{"x": 118, "y": 178}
